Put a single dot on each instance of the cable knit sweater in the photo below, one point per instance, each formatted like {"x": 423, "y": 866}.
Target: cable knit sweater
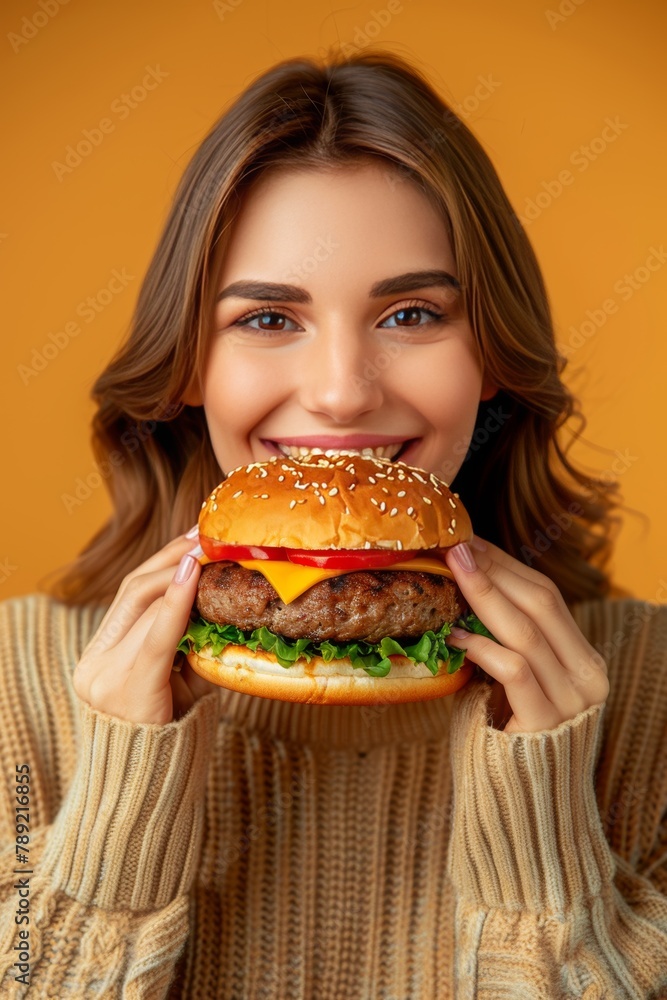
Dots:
{"x": 259, "y": 849}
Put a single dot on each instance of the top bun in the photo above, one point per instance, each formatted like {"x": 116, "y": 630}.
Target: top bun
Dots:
{"x": 346, "y": 501}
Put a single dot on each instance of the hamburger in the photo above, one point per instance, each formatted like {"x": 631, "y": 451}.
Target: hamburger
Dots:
{"x": 324, "y": 581}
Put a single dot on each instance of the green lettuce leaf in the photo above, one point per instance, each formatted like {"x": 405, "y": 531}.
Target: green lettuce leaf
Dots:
{"x": 373, "y": 657}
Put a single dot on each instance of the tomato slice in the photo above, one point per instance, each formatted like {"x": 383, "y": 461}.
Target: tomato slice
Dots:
{"x": 348, "y": 558}
{"x": 216, "y": 551}
{"x": 320, "y": 558}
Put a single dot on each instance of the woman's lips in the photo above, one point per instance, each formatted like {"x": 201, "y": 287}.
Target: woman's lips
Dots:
{"x": 377, "y": 445}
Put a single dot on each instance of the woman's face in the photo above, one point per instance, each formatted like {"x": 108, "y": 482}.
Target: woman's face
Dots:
{"x": 349, "y": 352}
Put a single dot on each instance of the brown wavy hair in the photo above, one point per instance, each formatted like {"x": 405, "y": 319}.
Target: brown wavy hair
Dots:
{"x": 516, "y": 481}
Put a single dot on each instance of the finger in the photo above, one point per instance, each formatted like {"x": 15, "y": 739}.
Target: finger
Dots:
{"x": 135, "y": 595}
{"x": 170, "y": 622}
{"x": 511, "y": 626}
{"x": 531, "y": 707}
{"x": 505, "y": 559}
{"x": 136, "y": 598}
{"x": 546, "y": 607}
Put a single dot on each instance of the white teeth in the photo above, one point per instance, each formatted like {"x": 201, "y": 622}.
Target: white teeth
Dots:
{"x": 383, "y": 451}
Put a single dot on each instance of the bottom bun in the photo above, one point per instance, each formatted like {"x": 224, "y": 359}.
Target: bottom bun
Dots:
{"x": 320, "y": 683}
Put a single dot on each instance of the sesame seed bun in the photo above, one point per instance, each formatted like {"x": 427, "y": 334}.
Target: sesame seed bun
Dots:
{"x": 338, "y": 502}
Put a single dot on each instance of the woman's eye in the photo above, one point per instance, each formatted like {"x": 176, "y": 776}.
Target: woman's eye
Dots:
{"x": 408, "y": 316}
{"x": 275, "y": 317}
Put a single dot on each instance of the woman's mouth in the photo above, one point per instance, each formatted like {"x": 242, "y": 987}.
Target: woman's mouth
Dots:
{"x": 392, "y": 450}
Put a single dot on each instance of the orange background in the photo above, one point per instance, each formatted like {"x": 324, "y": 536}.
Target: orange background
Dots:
{"x": 535, "y": 80}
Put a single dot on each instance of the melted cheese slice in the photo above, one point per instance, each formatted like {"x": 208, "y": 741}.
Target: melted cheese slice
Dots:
{"x": 290, "y": 581}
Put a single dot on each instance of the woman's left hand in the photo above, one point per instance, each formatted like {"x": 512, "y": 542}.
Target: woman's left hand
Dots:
{"x": 547, "y": 672}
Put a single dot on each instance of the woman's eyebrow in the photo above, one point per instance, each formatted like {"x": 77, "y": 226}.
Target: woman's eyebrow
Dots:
{"x": 408, "y": 282}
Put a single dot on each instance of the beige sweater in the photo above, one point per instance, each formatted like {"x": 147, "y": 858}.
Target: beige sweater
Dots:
{"x": 258, "y": 849}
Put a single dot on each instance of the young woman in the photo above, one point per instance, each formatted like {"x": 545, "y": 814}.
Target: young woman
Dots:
{"x": 340, "y": 268}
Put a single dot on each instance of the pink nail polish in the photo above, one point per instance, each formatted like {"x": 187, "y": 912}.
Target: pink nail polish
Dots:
{"x": 459, "y": 633}
{"x": 193, "y": 532}
{"x": 185, "y": 568}
{"x": 464, "y": 557}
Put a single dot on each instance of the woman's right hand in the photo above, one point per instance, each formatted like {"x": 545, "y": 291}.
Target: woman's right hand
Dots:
{"x": 126, "y": 668}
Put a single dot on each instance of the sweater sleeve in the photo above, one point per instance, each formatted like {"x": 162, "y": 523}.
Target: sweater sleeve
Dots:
{"x": 545, "y": 907}
{"x": 101, "y": 894}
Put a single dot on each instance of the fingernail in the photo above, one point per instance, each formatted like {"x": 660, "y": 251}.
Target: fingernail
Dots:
{"x": 464, "y": 557}
{"x": 193, "y": 532}
{"x": 459, "y": 633}
{"x": 478, "y": 544}
{"x": 185, "y": 568}
{"x": 196, "y": 552}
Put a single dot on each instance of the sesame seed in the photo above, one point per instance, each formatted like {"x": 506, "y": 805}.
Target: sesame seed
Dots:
{"x": 410, "y": 511}
{"x": 237, "y": 494}
{"x": 453, "y": 522}
{"x": 333, "y": 492}
{"x": 215, "y": 506}
{"x": 399, "y": 544}
{"x": 373, "y": 500}
{"x": 321, "y": 499}
{"x": 401, "y": 493}
{"x": 383, "y": 506}
{"x": 452, "y": 502}
{"x": 347, "y": 510}
{"x": 292, "y": 504}
{"x": 264, "y": 496}
{"x": 420, "y": 479}
{"x": 393, "y": 512}
{"x": 371, "y": 480}
{"x": 281, "y": 479}
{"x": 351, "y": 486}
{"x": 263, "y": 473}
{"x": 367, "y": 545}
{"x": 204, "y": 504}
{"x": 426, "y": 500}
{"x": 450, "y": 530}
{"x": 385, "y": 490}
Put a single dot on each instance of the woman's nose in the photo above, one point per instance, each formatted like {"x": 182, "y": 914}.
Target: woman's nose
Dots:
{"x": 345, "y": 379}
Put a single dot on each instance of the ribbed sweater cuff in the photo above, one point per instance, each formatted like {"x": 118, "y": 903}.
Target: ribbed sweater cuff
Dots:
{"x": 526, "y": 830}
{"x": 128, "y": 834}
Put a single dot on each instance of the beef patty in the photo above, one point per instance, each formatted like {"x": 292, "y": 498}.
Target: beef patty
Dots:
{"x": 366, "y": 604}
